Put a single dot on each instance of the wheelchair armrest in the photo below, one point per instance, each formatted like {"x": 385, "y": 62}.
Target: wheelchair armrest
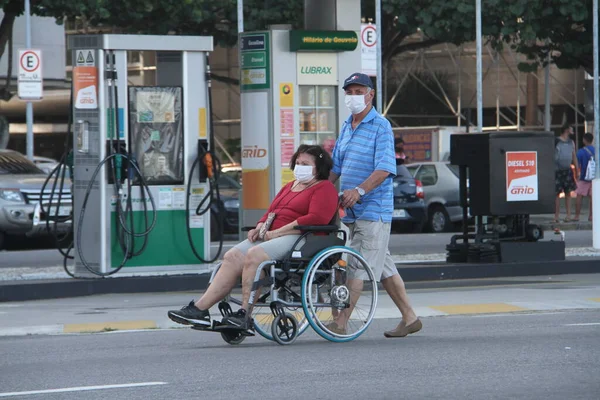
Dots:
{"x": 247, "y": 228}
{"x": 317, "y": 228}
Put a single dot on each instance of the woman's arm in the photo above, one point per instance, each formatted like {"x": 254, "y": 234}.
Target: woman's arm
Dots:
{"x": 283, "y": 231}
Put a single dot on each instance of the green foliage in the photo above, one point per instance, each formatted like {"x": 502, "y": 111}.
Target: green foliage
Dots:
{"x": 556, "y": 31}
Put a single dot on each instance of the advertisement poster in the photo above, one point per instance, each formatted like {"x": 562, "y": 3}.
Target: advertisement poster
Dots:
{"x": 417, "y": 145}
{"x": 85, "y": 85}
{"x": 156, "y": 127}
{"x": 521, "y": 176}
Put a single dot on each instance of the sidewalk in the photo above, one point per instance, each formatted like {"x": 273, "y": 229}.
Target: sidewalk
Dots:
{"x": 105, "y": 313}
{"x": 546, "y": 221}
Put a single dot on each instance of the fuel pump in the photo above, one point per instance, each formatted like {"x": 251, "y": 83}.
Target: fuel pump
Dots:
{"x": 209, "y": 169}
{"x": 136, "y": 156}
{"x": 123, "y": 169}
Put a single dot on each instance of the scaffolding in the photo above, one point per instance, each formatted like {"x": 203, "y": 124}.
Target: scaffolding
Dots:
{"x": 508, "y": 116}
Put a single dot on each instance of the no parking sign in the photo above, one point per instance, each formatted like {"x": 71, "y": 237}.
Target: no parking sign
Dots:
{"x": 30, "y": 84}
{"x": 368, "y": 41}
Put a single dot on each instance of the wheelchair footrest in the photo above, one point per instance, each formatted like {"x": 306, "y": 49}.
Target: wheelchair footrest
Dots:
{"x": 217, "y": 327}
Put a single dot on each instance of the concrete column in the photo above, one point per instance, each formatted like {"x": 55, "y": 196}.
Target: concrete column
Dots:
{"x": 321, "y": 15}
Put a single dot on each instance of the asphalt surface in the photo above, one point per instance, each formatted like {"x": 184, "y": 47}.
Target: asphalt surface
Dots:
{"x": 400, "y": 244}
{"x": 524, "y": 356}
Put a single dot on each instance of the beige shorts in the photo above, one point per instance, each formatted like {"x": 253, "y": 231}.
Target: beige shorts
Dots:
{"x": 371, "y": 240}
{"x": 277, "y": 248}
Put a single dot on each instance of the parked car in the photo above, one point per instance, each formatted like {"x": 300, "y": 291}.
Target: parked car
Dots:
{"x": 442, "y": 193}
{"x": 45, "y": 164}
{"x": 21, "y": 183}
{"x": 228, "y": 208}
{"x": 409, "y": 206}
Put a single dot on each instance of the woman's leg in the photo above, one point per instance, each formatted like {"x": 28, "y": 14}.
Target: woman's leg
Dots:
{"x": 255, "y": 257}
{"x": 225, "y": 279}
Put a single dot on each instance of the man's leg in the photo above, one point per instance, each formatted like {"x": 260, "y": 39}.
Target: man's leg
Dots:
{"x": 578, "y": 206}
{"x": 568, "y": 203}
{"x": 370, "y": 239}
{"x": 394, "y": 286}
{"x": 557, "y": 208}
{"x": 591, "y": 202}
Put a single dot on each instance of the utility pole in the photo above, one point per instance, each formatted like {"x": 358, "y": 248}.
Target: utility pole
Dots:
{"x": 29, "y": 105}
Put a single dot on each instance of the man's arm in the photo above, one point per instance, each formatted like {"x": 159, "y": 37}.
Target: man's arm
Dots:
{"x": 333, "y": 177}
{"x": 351, "y": 196}
{"x": 575, "y": 161}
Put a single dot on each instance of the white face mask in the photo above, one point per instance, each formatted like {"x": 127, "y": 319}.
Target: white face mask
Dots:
{"x": 303, "y": 173}
{"x": 355, "y": 103}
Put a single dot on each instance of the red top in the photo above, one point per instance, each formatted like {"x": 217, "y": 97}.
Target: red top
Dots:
{"x": 315, "y": 205}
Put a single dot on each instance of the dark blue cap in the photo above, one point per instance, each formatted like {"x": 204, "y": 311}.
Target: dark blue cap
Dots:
{"x": 358, "y": 79}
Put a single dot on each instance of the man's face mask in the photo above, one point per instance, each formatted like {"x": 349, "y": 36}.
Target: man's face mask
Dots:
{"x": 356, "y": 103}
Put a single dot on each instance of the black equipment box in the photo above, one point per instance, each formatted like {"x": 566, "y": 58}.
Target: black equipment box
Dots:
{"x": 509, "y": 172}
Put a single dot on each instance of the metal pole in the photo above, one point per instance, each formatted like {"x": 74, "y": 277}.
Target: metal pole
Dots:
{"x": 547, "y": 96}
{"x": 479, "y": 67}
{"x": 596, "y": 183}
{"x": 29, "y": 106}
{"x": 240, "y": 15}
{"x": 379, "y": 28}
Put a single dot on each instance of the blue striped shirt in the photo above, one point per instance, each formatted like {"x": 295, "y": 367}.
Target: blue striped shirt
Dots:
{"x": 356, "y": 155}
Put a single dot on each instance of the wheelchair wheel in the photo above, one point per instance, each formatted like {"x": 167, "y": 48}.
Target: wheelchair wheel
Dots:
{"x": 263, "y": 317}
{"x": 344, "y": 304}
{"x": 233, "y": 337}
{"x": 284, "y": 329}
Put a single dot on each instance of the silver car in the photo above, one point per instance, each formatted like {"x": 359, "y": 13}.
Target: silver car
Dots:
{"x": 442, "y": 193}
{"x": 21, "y": 213}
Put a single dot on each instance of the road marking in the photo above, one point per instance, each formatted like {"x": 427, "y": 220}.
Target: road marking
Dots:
{"x": 488, "y": 308}
{"x": 585, "y": 324}
{"x": 108, "y": 326}
{"x": 597, "y": 299}
{"x": 82, "y": 388}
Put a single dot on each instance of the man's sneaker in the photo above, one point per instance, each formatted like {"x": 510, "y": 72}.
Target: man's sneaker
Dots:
{"x": 190, "y": 315}
{"x": 240, "y": 321}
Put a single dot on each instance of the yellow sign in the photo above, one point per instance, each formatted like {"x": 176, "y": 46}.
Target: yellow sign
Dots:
{"x": 202, "y": 123}
{"x": 286, "y": 95}
{"x": 287, "y": 175}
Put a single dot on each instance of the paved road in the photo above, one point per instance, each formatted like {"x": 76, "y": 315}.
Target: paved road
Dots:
{"x": 528, "y": 356}
{"x": 400, "y": 244}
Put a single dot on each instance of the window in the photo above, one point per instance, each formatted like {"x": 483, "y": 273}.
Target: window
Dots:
{"x": 413, "y": 170}
{"x": 454, "y": 169}
{"x": 318, "y": 116}
{"x": 427, "y": 174}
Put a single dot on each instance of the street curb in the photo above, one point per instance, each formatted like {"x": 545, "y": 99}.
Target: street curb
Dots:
{"x": 548, "y": 228}
{"x": 435, "y": 271}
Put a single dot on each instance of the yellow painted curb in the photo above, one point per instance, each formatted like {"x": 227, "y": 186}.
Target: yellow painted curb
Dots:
{"x": 597, "y": 299}
{"x": 108, "y": 326}
{"x": 488, "y": 308}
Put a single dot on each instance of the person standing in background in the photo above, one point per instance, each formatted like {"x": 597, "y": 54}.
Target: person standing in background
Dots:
{"x": 584, "y": 186}
{"x": 564, "y": 157}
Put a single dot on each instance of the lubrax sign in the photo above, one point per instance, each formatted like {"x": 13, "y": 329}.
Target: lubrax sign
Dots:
{"x": 323, "y": 40}
{"x": 317, "y": 68}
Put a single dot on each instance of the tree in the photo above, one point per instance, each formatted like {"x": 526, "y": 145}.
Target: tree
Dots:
{"x": 555, "y": 31}
{"x": 439, "y": 21}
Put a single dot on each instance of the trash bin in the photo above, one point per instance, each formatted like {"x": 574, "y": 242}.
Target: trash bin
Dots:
{"x": 509, "y": 172}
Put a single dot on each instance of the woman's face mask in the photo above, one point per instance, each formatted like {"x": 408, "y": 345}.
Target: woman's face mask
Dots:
{"x": 303, "y": 173}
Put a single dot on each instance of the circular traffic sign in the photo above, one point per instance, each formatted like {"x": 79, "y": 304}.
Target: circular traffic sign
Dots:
{"x": 369, "y": 36}
{"x": 29, "y": 61}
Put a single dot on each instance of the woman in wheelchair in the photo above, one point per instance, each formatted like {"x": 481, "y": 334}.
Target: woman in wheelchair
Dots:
{"x": 308, "y": 200}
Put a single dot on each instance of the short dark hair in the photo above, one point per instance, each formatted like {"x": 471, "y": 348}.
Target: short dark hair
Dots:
{"x": 565, "y": 126}
{"x": 323, "y": 161}
{"x": 588, "y": 137}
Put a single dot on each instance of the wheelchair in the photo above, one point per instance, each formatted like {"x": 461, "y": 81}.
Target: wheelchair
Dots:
{"x": 309, "y": 287}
